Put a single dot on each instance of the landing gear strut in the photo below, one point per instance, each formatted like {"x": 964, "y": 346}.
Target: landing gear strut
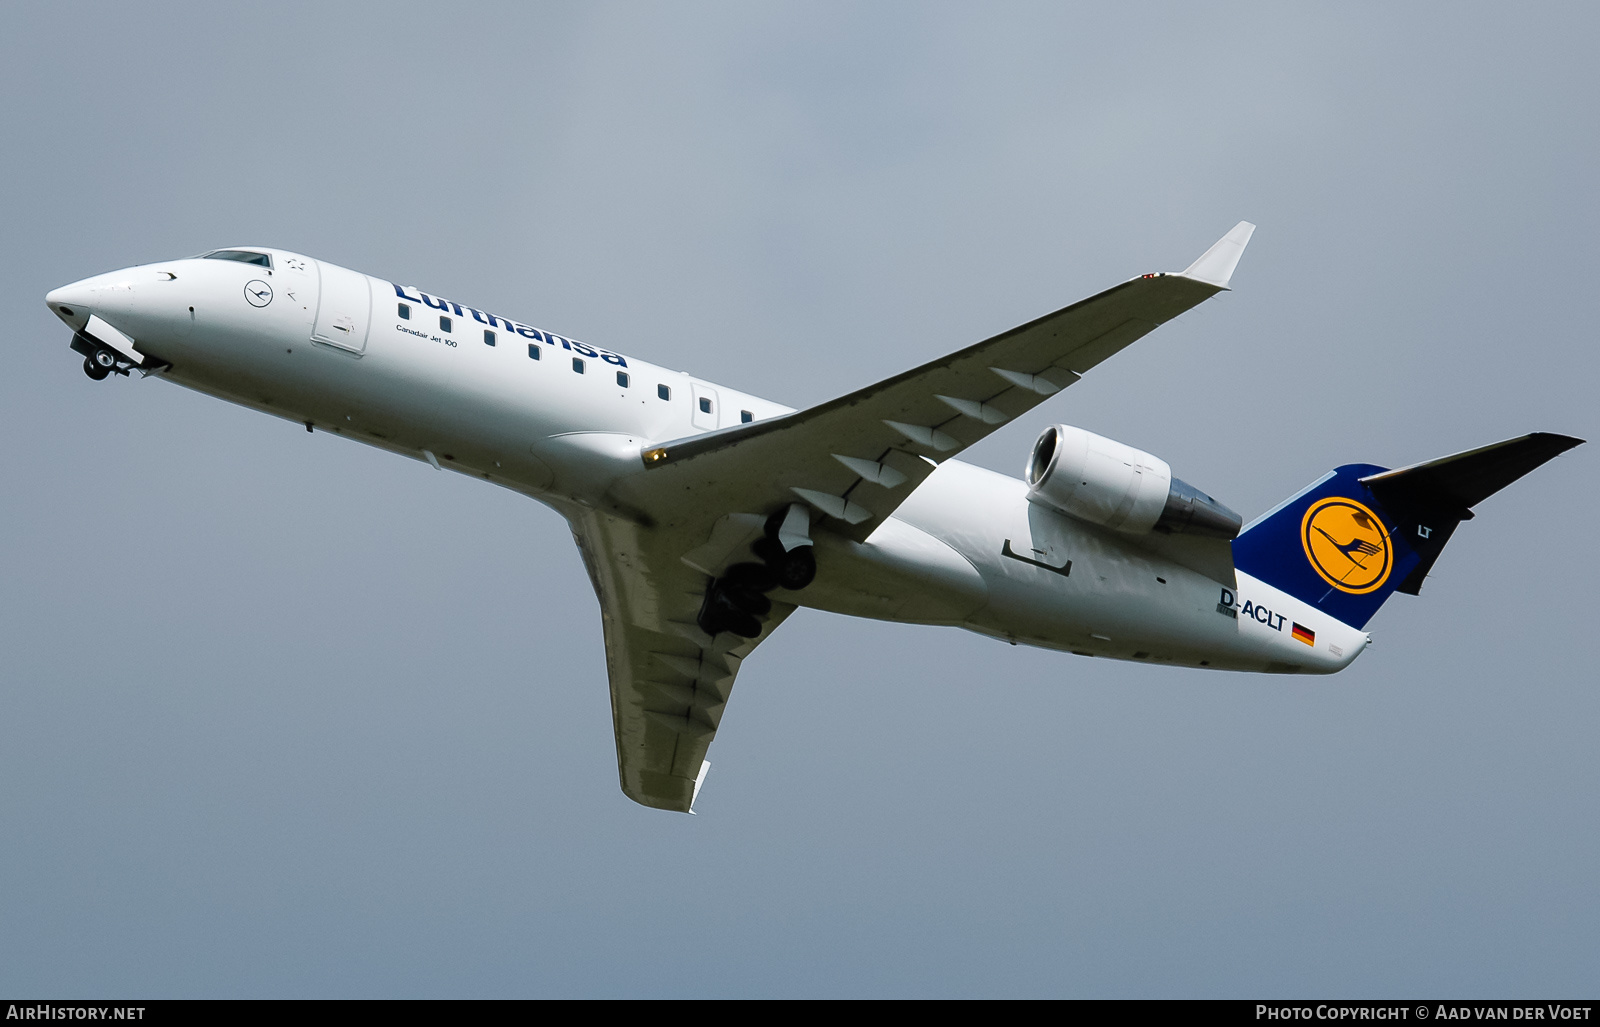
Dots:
{"x": 737, "y": 601}
{"x": 99, "y": 362}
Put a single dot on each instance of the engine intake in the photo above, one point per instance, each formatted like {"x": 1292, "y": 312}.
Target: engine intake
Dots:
{"x": 1105, "y": 482}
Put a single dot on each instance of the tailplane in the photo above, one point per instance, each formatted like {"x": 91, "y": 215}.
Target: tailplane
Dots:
{"x": 1360, "y": 533}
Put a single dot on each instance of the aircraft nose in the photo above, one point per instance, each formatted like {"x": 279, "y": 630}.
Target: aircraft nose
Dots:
{"x": 73, "y": 303}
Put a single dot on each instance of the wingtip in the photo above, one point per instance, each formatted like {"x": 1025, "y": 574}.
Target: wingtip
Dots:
{"x": 1567, "y": 441}
{"x": 699, "y": 779}
{"x": 1215, "y": 266}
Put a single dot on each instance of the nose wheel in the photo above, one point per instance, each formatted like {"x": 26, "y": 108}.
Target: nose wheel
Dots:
{"x": 99, "y": 364}
{"x": 99, "y": 361}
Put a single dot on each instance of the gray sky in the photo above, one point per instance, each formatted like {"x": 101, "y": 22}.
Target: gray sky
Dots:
{"x": 287, "y": 716}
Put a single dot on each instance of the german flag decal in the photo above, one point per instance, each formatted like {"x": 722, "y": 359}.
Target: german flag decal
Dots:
{"x": 1305, "y": 635}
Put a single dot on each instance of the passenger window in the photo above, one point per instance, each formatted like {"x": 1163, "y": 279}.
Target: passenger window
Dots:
{"x": 488, "y": 337}
{"x": 705, "y": 405}
{"x": 663, "y": 392}
{"x": 577, "y": 364}
{"x": 745, "y": 417}
{"x": 622, "y": 379}
{"x": 533, "y": 351}
{"x": 405, "y": 311}
{"x": 444, "y": 323}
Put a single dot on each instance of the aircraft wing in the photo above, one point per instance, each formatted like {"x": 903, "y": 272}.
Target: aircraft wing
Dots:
{"x": 669, "y": 680}
{"x": 856, "y": 458}
{"x": 852, "y": 460}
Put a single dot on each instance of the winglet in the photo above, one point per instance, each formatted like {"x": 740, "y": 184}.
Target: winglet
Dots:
{"x": 699, "y": 779}
{"x": 1215, "y": 266}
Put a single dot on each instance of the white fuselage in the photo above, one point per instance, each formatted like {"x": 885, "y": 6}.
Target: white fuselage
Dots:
{"x": 966, "y": 549}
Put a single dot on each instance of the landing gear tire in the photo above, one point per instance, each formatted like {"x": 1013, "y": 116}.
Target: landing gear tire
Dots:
{"x": 757, "y": 577}
{"x": 719, "y": 613}
{"x": 737, "y": 601}
{"x": 95, "y": 370}
{"x": 769, "y": 549}
{"x": 794, "y": 569}
{"x": 756, "y": 604}
{"x": 797, "y": 569}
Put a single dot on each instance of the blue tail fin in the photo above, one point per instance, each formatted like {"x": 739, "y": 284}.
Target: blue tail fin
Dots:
{"x": 1358, "y": 534}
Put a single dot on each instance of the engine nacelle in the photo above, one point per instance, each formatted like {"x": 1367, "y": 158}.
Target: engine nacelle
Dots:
{"x": 1102, "y": 481}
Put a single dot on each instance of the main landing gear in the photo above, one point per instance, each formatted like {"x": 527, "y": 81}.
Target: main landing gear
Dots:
{"x": 737, "y": 601}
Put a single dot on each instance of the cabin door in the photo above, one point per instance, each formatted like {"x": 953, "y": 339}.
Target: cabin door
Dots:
{"x": 344, "y": 308}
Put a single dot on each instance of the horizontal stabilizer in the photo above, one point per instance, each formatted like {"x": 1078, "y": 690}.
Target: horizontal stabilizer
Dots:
{"x": 1464, "y": 480}
{"x": 1441, "y": 493}
{"x": 1348, "y": 540}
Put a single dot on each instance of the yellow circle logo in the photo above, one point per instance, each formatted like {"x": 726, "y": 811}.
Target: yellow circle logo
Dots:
{"x": 1347, "y": 545}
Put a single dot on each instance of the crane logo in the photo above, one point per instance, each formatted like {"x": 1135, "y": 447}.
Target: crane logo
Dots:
{"x": 257, "y": 293}
{"x": 1347, "y": 545}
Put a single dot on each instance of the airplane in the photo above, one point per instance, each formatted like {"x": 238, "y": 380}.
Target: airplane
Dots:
{"x": 705, "y": 516}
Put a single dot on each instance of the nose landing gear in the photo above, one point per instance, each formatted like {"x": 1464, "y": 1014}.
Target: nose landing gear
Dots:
{"x": 99, "y": 364}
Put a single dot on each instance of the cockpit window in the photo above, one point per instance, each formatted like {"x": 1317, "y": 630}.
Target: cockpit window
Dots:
{"x": 242, "y": 256}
